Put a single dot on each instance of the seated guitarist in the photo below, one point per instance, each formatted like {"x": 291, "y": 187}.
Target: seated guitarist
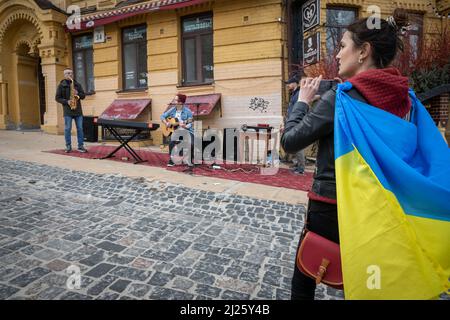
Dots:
{"x": 185, "y": 118}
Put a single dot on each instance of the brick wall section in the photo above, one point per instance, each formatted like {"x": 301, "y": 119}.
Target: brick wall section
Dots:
{"x": 439, "y": 109}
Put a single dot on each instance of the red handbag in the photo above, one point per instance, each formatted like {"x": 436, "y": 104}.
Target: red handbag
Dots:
{"x": 320, "y": 259}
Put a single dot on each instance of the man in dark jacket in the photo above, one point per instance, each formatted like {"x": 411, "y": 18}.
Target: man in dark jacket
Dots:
{"x": 63, "y": 97}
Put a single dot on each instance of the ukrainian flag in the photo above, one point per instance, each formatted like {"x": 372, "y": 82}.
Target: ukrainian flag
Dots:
{"x": 393, "y": 195}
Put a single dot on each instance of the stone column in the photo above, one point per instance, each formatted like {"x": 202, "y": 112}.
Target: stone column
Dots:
{"x": 52, "y": 51}
{"x": 3, "y": 101}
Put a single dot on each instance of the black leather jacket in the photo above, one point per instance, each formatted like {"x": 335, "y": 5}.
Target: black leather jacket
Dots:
{"x": 303, "y": 127}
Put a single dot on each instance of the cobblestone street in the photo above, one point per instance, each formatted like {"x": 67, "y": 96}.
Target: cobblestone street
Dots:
{"x": 140, "y": 239}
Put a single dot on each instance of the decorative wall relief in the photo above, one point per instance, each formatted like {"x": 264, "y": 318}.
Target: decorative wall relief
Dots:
{"x": 259, "y": 104}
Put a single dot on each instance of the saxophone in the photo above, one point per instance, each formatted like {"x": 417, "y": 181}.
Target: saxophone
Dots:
{"x": 73, "y": 100}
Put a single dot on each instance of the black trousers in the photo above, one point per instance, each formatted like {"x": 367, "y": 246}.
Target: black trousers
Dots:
{"x": 172, "y": 145}
{"x": 322, "y": 219}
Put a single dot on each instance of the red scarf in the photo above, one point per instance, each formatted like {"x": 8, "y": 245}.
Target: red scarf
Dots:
{"x": 386, "y": 89}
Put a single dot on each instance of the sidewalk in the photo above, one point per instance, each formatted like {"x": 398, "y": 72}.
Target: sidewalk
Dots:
{"x": 29, "y": 146}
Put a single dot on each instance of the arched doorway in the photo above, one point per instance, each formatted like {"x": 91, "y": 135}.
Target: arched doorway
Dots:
{"x": 32, "y": 45}
{"x": 28, "y": 108}
{"x": 21, "y": 73}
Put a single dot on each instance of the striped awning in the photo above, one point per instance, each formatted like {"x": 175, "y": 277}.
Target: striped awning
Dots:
{"x": 106, "y": 17}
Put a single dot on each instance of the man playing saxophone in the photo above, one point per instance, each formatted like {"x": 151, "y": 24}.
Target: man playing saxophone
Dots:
{"x": 69, "y": 94}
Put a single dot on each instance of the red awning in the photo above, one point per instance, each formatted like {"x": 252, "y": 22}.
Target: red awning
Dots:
{"x": 204, "y": 104}
{"x": 106, "y": 17}
{"x": 128, "y": 109}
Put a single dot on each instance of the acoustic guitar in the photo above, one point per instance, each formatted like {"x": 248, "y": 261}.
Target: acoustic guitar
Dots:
{"x": 174, "y": 124}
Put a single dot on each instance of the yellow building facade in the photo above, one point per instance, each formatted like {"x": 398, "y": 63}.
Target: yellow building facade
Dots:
{"x": 243, "y": 50}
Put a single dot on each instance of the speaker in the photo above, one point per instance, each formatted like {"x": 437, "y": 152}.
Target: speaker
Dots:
{"x": 90, "y": 129}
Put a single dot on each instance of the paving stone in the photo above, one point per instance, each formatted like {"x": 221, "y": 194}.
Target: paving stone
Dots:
{"x": 141, "y": 263}
{"x": 7, "y": 273}
{"x": 4, "y": 252}
{"x": 138, "y": 289}
{"x": 109, "y": 246}
{"x": 233, "y": 271}
{"x": 232, "y": 253}
{"x": 266, "y": 292}
{"x": 160, "y": 255}
{"x": 272, "y": 278}
{"x": 10, "y": 232}
{"x": 73, "y": 237}
{"x": 29, "y": 264}
{"x": 206, "y": 248}
{"x": 180, "y": 246}
{"x": 159, "y": 293}
{"x": 7, "y": 291}
{"x": 203, "y": 277}
{"x": 160, "y": 279}
{"x": 28, "y": 277}
{"x": 50, "y": 293}
{"x": 100, "y": 286}
{"x": 209, "y": 268}
{"x": 29, "y": 250}
{"x": 134, "y": 251}
{"x": 182, "y": 284}
{"x": 232, "y": 295}
{"x": 100, "y": 270}
{"x": 63, "y": 245}
{"x": 120, "y": 285}
{"x": 215, "y": 259}
{"x": 120, "y": 259}
{"x": 108, "y": 296}
{"x": 94, "y": 259}
{"x": 75, "y": 296}
{"x": 17, "y": 245}
{"x": 12, "y": 258}
{"x": 207, "y": 291}
{"x": 47, "y": 254}
{"x": 283, "y": 294}
{"x": 180, "y": 271}
{"x": 130, "y": 273}
{"x": 249, "y": 276}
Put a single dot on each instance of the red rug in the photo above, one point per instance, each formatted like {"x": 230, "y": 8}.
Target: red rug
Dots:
{"x": 245, "y": 173}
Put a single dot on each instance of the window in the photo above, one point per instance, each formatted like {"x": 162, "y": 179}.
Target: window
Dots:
{"x": 83, "y": 62}
{"x": 197, "y": 49}
{"x": 134, "y": 44}
{"x": 338, "y": 18}
{"x": 414, "y": 34}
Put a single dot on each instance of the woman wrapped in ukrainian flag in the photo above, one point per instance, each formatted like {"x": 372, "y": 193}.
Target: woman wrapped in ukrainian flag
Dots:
{"x": 382, "y": 183}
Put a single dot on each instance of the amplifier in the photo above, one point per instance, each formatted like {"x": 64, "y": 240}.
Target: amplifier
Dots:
{"x": 90, "y": 129}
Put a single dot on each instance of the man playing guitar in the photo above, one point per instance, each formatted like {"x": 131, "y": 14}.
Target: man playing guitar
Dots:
{"x": 182, "y": 116}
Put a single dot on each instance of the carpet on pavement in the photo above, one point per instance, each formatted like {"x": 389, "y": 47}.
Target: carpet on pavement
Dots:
{"x": 238, "y": 172}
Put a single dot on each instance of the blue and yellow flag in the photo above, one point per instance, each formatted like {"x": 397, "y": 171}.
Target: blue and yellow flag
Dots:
{"x": 393, "y": 195}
